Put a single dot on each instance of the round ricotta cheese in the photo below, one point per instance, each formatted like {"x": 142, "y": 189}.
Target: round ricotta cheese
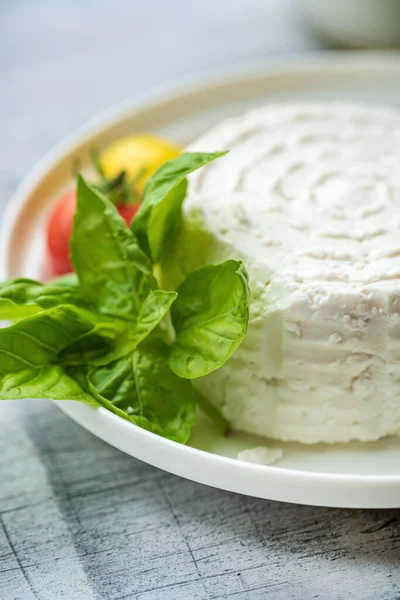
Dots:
{"x": 309, "y": 199}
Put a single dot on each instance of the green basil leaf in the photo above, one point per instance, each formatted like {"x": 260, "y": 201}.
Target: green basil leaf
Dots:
{"x": 41, "y": 339}
{"x": 143, "y": 389}
{"x": 159, "y": 216}
{"x": 70, "y": 279}
{"x": 154, "y": 308}
{"x": 9, "y": 311}
{"x": 23, "y": 297}
{"x": 129, "y": 335}
{"x": 102, "y": 339}
{"x": 210, "y": 317}
{"x": 114, "y": 273}
{"x": 45, "y": 382}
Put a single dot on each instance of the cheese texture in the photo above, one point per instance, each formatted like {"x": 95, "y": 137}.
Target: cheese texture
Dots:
{"x": 309, "y": 199}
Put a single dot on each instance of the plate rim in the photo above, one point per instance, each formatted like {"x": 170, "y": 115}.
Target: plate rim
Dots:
{"x": 256, "y": 467}
{"x": 312, "y": 488}
{"x": 275, "y": 475}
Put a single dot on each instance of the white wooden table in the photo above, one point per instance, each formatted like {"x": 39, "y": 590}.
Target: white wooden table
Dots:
{"x": 78, "y": 519}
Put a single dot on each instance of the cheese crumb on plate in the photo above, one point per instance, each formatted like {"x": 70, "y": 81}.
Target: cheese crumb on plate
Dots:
{"x": 261, "y": 455}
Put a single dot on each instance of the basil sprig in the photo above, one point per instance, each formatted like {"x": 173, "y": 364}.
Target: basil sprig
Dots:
{"x": 108, "y": 336}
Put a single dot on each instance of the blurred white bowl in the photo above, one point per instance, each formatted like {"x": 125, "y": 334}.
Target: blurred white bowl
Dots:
{"x": 363, "y": 23}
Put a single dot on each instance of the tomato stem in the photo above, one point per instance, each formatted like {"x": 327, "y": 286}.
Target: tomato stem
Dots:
{"x": 119, "y": 189}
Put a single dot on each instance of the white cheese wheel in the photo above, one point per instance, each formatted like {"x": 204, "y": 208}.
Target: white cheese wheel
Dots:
{"x": 309, "y": 199}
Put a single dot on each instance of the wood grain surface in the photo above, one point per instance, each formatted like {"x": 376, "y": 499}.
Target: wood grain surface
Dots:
{"x": 78, "y": 519}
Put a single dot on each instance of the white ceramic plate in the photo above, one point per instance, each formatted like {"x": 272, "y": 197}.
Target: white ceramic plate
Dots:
{"x": 352, "y": 475}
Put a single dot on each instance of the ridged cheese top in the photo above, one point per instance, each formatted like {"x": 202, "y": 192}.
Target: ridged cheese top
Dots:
{"x": 311, "y": 190}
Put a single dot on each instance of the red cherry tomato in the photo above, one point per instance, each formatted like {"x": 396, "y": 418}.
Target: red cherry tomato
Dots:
{"x": 59, "y": 230}
{"x": 128, "y": 211}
